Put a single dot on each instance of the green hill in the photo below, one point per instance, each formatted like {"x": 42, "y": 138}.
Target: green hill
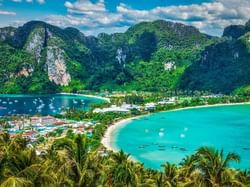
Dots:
{"x": 224, "y": 66}
{"x": 42, "y": 58}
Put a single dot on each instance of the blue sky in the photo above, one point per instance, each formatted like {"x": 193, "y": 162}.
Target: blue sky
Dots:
{"x": 95, "y": 16}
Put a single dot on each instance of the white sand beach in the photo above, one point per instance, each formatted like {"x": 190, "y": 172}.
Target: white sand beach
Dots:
{"x": 107, "y": 139}
{"x": 108, "y": 136}
{"x": 85, "y": 95}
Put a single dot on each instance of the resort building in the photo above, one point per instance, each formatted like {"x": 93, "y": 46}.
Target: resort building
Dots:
{"x": 30, "y": 135}
{"x": 150, "y": 106}
{"x": 35, "y": 120}
{"x": 43, "y": 120}
{"x": 171, "y": 100}
{"x": 113, "y": 108}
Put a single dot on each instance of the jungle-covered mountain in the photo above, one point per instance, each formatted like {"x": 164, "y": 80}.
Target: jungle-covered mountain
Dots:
{"x": 41, "y": 58}
{"x": 224, "y": 66}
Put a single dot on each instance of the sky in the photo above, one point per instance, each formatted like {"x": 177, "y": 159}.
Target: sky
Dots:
{"x": 96, "y": 16}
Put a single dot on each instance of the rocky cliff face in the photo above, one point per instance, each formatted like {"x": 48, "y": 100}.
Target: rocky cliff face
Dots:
{"x": 25, "y": 71}
{"x": 57, "y": 70}
{"x": 36, "y": 43}
{"x": 55, "y": 56}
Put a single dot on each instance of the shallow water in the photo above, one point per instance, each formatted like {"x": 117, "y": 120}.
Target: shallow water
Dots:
{"x": 43, "y": 104}
{"x": 170, "y": 136}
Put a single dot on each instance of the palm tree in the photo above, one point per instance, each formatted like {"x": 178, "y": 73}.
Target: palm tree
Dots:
{"x": 214, "y": 166}
{"x": 244, "y": 177}
{"x": 16, "y": 182}
{"x": 189, "y": 175}
{"x": 121, "y": 171}
{"x": 170, "y": 175}
{"x": 85, "y": 167}
{"x": 188, "y": 166}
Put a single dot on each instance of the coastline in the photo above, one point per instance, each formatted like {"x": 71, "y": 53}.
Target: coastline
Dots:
{"x": 85, "y": 95}
{"x": 108, "y": 136}
{"x": 62, "y": 93}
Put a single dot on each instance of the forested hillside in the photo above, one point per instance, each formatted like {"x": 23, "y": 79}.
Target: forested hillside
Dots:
{"x": 225, "y": 66}
{"x": 41, "y": 58}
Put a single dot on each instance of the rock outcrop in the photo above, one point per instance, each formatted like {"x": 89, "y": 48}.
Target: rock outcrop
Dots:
{"x": 36, "y": 42}
{"x": 25, "y": 71}
{"x": 57, "y": 70}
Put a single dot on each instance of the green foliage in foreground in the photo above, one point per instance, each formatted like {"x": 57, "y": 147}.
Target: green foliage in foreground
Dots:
{"x": 73, "y": 161}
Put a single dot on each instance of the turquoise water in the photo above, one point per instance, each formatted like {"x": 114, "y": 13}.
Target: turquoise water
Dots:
{"x": 43, "y": 104}
{"x": 170, "y": 136}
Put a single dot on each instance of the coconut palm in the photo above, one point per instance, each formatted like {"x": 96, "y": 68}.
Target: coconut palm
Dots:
{"x": 214, "y": 166}
{"x": 189, "y": 175}
{"x": 121, "y": 171}
{"x": 188, "y": 166}
{"x": 244, "y": 177}
{"x": 83, "y": 165}
{"x": 25, "y": 168}
{"x": 16, "y": 182}
{"x": 170, "y": 175}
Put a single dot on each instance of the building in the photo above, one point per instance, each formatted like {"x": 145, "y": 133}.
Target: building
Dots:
{"x": 29, "y": 134}
{"x": 168, "y": 66}
{"x": 113, "y": 108}
{"x": 48, "y": 120}
{"x": 171, "y": 100}
{"x": 150, "y": 106}
{"x": 35, "y": 120}
{"x": 130, "y": 106}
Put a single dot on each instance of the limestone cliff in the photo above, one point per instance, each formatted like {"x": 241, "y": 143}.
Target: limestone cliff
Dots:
{"x": 57, "y": 70}
{"x": 36, "y": 42}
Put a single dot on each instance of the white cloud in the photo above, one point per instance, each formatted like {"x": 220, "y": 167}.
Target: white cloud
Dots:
{"x": 7, "y": 13}
{"x": 29, "y": 1}
{"x": 108, "y": 30}
{"x": 85, "y": 6}
{"x": 209, "y": 17}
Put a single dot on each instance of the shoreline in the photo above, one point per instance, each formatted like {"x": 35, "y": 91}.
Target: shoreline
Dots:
{"x": 107, "y": 139}
{"x": 85, "y": 95}
{"x": 62, "y": 93}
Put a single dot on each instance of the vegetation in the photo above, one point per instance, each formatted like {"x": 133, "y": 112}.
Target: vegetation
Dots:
{"x": 73, "y": 161}
{"x": 77, "y": 160}
{"x": 223, "y": 67}
{"x": 133, "y": 60}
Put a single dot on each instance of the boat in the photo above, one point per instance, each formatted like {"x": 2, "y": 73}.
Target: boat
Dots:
{"x": 161, "y": 149}
{"x": 183, "y": 149}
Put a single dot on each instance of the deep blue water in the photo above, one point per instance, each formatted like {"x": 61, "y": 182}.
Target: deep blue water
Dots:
{"x": 170, "y": 136}
{"x": 43, "y": 104}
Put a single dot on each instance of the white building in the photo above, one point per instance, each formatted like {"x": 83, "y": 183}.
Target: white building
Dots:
{"x": 171, "y": 100}
{"x": 150, "y": 106}
{"x": 113, "y": 108}
{"x": 168, "y": 66}
{"x": 124, "y": 108}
